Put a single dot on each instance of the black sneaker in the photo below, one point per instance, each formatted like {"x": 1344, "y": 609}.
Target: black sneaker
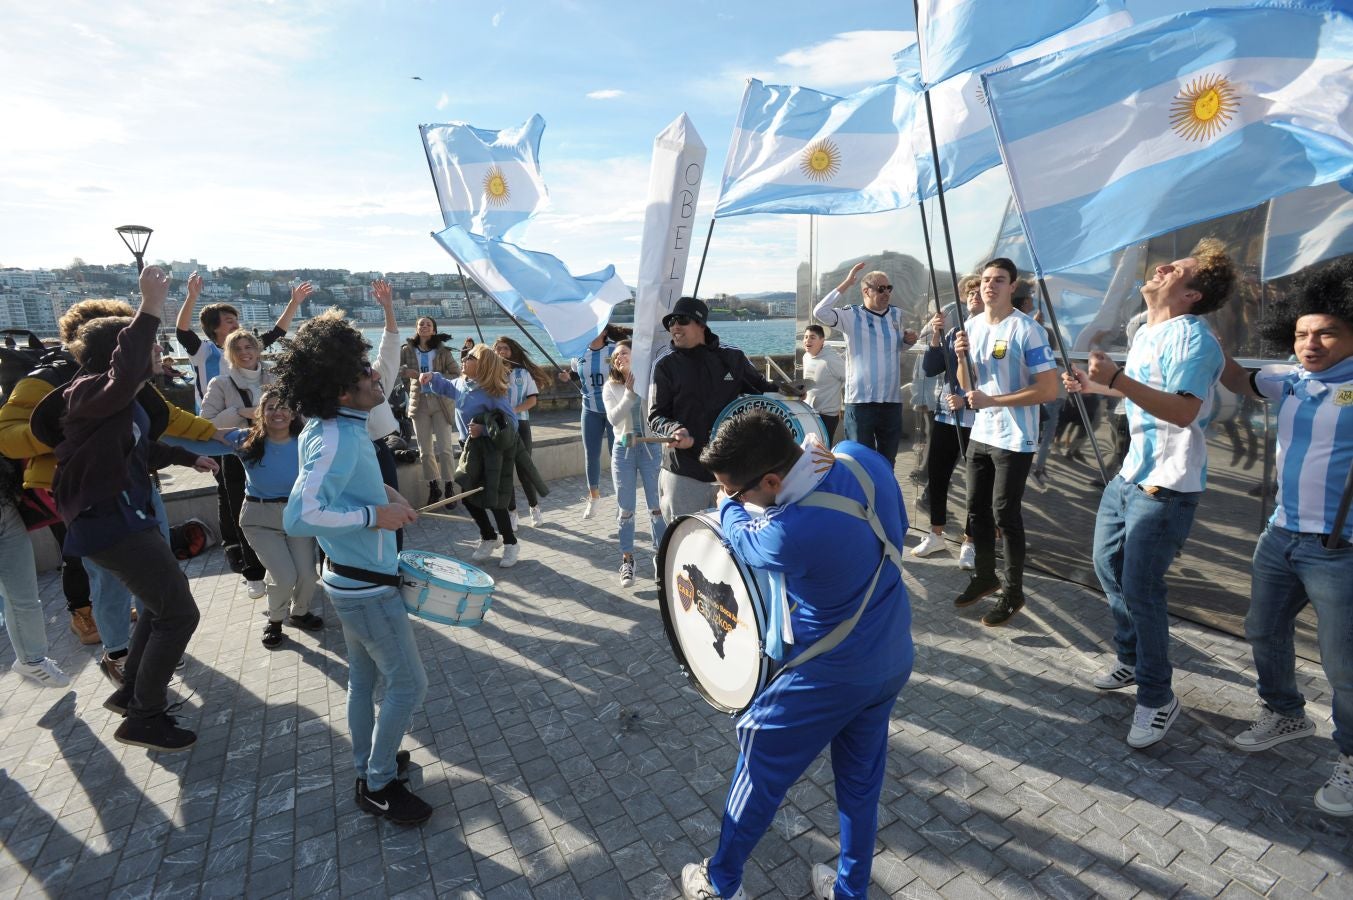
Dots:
{"x": 117, "y": 703}
{"x": 156, "y": 733}
{"x": 272, "y": 635}
{"x": 1009, "y": 604}
{"x": 401, "y": 773}
{"x": 394, "y": 802}
{"x": 977, "y": 589}
{"x": 307, "y": 622}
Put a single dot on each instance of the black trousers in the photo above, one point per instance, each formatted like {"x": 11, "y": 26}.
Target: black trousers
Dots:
{"x": 145, "y": 564}
{"x": 74, "y": 578}
{"x": 996, "y": 480}
{"x": 829, "y": 424}
{"x": 527, "y": 488}
{"x": 942, "y": 458}
{"x": 229, "y": 501}
{"x": 481, "y": 518}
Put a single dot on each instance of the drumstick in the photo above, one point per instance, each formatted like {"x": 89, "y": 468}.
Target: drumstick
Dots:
{"x": 448, "y": 500}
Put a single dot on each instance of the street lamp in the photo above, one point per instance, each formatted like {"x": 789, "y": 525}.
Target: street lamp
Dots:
{"x": 136, "y": 237}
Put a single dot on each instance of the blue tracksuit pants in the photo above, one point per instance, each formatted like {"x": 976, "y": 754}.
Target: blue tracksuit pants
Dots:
{"x": 779, "y": 735}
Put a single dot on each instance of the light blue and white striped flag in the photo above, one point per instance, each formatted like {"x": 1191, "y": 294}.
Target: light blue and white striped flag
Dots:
{"x": 538, "y": 287}
{"x": 1174, "y": 122}
{"x": 796, "y": 150}
{"x": 962, "y": 35}
{"x": 963, "y": 133}
{"x": 487, "y": 181}
{"x": 1307, "y": 227}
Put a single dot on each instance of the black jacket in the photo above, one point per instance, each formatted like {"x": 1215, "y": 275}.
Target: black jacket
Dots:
{"x": 690, "y": 389}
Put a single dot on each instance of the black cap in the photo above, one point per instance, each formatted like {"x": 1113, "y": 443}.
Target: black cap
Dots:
{"x": 689, "y": 307}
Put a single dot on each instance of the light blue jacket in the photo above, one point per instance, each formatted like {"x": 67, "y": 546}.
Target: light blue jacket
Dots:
{"x": 336, "y": 497}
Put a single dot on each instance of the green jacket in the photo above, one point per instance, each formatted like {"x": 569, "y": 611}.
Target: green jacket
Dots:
{"x": 488, "y": 461}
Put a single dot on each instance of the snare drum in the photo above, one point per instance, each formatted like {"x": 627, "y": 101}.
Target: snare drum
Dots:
{"x": 799, "y": 416}
{"x": 444, "y": 590}
{"x": 713, "y": 613}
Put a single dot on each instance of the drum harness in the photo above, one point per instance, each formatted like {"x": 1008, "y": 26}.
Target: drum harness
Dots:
{"x": 855, "y": 509}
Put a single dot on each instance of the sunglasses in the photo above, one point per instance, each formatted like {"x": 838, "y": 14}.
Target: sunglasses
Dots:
{"x": 680, "y": 320}
{"x": 880, "y": 288}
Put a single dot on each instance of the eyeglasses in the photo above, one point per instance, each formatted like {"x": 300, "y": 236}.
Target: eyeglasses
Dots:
{"x": 881, "y": 288}
{"x": 751, "y": 485}
{"x": 680, "y": 320}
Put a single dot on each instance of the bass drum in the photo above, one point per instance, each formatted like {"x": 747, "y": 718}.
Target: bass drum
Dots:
{"x": 713, "y": 613}
{"x": 799, "y": 416}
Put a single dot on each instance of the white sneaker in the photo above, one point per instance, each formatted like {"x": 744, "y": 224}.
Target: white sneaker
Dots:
{"x": 485, "y": 549}
{"x": 932, "y": 543}
{"x": 1120, "y": 676}
{"x": 823, "y": 882}
{"x": 590, "y": 507}
{"x": 510, "y": 553}
{"x": 695, "y": 884}
{"x": 256, "y": 589}
{"x": 536, "y": 518}
{"x": 1271, "y": 729}
{"x": 513, "y": 520}
{"x": 967, "y": 556}
{"x": 45, "y": 672}
{"x": 1336, "y": 797}
{"x": 626, "y": 571}
{"x": 1149, "y": 724}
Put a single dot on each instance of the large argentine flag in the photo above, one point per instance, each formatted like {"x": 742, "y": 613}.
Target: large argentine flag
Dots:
{"x": 1174, "y": 122}
{"x": 961, "y": 35}
{"x": 1307, "y": 227}
{"x": 796, "y": 150}
{"x": 487, "y": 181}
{"x": 538, "y": 287}
{"x": 963, "y": 133}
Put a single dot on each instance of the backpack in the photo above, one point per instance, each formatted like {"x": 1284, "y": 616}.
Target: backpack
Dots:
{"x": 191, "y": 538}
{"x": 17, "y": 361}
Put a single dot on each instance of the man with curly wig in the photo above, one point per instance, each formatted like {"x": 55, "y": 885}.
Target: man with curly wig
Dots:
{"x": 1146, "y": 512}
{"x": 341, "y": 500}
{"x": 1299, "y": 559}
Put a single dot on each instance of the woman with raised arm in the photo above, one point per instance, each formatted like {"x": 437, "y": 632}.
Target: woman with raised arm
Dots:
{"x": 429, "y": 351}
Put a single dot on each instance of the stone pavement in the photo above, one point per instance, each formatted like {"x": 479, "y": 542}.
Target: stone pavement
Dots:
{"x": 567, "y": 757}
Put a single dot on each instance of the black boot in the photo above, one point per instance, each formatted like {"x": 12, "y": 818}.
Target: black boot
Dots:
{"x": 434, "y": 493}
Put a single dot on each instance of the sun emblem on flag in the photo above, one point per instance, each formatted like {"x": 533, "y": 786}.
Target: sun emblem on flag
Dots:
{"x": 821, "y": 161}
{"x": 496, "y": 191}
{"x": 1203, "y": 108}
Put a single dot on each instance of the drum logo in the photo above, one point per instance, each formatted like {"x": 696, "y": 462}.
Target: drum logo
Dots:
{"x": 715, "y": 602}
{"x": 769, "y": 404}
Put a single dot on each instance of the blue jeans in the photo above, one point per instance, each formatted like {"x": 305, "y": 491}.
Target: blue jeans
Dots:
{"x": 380, "y": 641}
{"x": 628, "y": 464}
{"x": 19, "y": 588}
{"x": 1289, "y": 571}
{"x": 595, "y": 425}
{"x": 1136, "y": 538}
{"x": 109, "y": 600}
{"x": 1053, "y": 412}
{"x": 876, "y": 425}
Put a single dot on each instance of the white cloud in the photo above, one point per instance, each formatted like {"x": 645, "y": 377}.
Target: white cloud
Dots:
{"x": 497, "y": 17}
{"x": 443, "y": 101}
{"x": 606, "y": 94}
{"x": 849, "y": 59}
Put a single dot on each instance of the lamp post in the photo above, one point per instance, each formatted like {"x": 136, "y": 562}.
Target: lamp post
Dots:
{"x": 136, "y": 237}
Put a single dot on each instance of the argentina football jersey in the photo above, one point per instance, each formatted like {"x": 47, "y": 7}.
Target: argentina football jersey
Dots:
{"x": 1178, "y": 356}
{"x": 1007, "y": 356}
{"x": 874, "y": 342}
{"x": 593, "y": 367}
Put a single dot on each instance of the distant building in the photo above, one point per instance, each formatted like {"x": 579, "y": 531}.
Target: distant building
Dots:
{"x": 258, "y": 289}
{"x": 184, "y": 269}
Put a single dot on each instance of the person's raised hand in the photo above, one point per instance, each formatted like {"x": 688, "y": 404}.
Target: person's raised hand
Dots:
{"x": 194, "y": 287}
{"x": 384, "y": 295}
{"x": 154, "y": 283}
{"x": 854, "y": 275}
{"x": 301, "y": 291}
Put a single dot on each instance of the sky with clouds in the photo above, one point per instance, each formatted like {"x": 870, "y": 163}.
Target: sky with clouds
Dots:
{"x": 283, "y": 133}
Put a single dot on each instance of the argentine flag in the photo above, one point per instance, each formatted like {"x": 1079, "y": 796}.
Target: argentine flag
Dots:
{"x": 1307, "y": 227}
{"x": 796, "y": 150}
{"x": 962, "y": 35}
{"x": 1174, "y": 122}
{"x": 538, "y": 287}
{"x": 963, "y": 133}
{"x": 487, "y": 181}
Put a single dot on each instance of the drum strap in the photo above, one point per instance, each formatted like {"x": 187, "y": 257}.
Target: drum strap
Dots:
{"x": 857, "y": 510}
{"x": 356, "y": 574}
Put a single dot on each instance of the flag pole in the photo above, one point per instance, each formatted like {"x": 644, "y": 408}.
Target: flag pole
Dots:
{"x": 703, "y": 253}
{"x": 935, "y": 288}
{"x": 470, "y": 303}
{"x": 1341, "y": 515}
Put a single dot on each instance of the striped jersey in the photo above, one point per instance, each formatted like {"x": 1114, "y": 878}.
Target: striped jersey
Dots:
{"x": 521, "y": 385}
{"x": 874, "y": 348}
{"x": 1007, "y": 356}
{"x": 593, "y": 368}
{"x": 1315, "y": 443}
{"x": 1178, "y": 356}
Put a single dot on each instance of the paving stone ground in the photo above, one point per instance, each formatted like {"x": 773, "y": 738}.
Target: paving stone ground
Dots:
{"x": 567, "y": 757}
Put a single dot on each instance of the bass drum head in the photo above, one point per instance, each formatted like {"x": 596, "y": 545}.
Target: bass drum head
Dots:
{"x": 797, "y": 415}
{"x": 713, "y": 622}
{"x": 445, "y": 571}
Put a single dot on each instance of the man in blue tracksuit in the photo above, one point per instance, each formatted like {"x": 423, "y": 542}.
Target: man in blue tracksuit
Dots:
{"x": 832, "y": 529}
{"x": 341, "y": 499}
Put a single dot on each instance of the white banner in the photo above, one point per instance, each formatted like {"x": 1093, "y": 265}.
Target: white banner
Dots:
{"x": 673, "y": 189}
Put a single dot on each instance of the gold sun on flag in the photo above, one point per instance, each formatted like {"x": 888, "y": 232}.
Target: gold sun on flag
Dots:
{"x": 821, "y": 160}
{"x": 1204, "y": 107}
{"x": 496, "y": 191}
